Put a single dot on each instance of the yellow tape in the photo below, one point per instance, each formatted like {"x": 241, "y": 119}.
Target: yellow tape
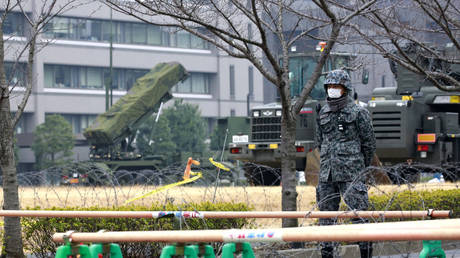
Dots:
{"x": 167, "y": 187}
{"x": 219, "y": 165}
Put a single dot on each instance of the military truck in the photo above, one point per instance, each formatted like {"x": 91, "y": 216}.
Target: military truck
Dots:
{"x": 417, "y": 124}
{"x": 112, "y": 133}
{"x": 259, "y": 150}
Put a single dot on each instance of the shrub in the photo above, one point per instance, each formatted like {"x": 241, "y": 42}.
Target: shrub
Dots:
{"x": 38, "y": 231}
{"x": 418, "y": 200}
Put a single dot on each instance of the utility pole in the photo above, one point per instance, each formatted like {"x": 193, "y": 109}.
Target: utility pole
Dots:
{"x": 108, "y": 85}
{"x": 111, "y": 57}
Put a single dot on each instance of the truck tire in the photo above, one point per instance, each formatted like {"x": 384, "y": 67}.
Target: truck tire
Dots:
{"x": 403, "y": 174}
{"x": 124, "y": 177}
{"x": 148, "y": 177}
{"x": 451, "y": 172}
{"x": 262, "y": 175}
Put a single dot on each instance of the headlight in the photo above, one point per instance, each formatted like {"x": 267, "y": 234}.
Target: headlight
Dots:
{"x": 446, "y": 99}
{"x": 278, "y": 113}
{"x": 256, "y": 113}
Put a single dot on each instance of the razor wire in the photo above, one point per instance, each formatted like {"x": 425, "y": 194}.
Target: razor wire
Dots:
{"x": 256, "y": 185}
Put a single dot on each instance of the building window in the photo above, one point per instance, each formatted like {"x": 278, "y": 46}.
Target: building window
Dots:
{"x": 15, "y": 73}
{"x": 123, "y": 32}
{"x": 383, "y": 81}
{"x": 62, "y": 77}
{"x": 251, "y": 82}
{"x": 139, "y": 33}
{"x": 79, "y": 122}
{"x": 14, "y": 24}
{"x": 93, "y": 77}
{"x": 197, "y": 42}
{"x": 183, "y": 39}
{"x": 196, "y": 83}
{"x": 21, "y": 125}
{"x": 232, "y": 112}
{"x": 154, "y": 35}
{"x": 232, "y": 81}
{"x": 81, "y": 77}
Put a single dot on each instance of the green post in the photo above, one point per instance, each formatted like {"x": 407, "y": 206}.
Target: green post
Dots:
{"x": 431, "y": 249}
{"x": 205, "y": 251}
{"x": 112, "y": 249}
{"x": 68, "y": 249}
{"x": 171, "y": 250}
{"x": 230, "y": 249}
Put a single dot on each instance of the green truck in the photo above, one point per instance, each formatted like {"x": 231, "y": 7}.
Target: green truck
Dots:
{"x": 258, "y": 148}
{"x": 416, "y": 124}
{"x": 112, "y": 133}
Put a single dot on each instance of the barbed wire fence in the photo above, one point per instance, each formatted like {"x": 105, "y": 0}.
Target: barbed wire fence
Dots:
{"x": 255, "y": 185}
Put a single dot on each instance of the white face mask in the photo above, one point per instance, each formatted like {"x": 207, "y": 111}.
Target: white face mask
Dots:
{"x": 334, "y": 93}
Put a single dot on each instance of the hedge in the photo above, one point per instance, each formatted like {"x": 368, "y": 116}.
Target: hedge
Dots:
{"x": 38, "y": 231}
{"x": 418, "y": 200}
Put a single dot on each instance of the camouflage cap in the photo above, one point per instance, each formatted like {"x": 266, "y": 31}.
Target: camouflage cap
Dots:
{"x": 338, "y": 77}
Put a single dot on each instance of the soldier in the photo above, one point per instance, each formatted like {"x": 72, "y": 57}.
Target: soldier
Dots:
{"x": 346, "y": 142}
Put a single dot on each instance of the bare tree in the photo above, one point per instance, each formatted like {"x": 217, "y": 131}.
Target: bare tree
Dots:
{"x": 224, "y": 24}
{"x": 19, "y": 49}
{"x": 430, "y": 28}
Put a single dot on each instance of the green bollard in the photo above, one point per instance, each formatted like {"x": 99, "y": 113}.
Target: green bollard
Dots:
{"x": 111, "y": 250}
{"x": 205, "y": 251}
{"x": 69, "y": 250}
{"x": 230, "y": 249}
{"x": 171, "y": 250}
{"x": 431, "y": 249}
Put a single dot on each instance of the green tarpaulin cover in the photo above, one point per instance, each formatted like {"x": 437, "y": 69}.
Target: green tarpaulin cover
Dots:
{"x": 139, "y": 102}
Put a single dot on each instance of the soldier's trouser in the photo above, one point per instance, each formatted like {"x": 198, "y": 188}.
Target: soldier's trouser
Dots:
{"x": 354, "y": 194}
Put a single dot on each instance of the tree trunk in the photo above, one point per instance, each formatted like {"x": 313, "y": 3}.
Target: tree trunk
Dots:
{"x": 288, "y": 133}
{"x": 288, "y": 179}
{"x": 12, "y": 239}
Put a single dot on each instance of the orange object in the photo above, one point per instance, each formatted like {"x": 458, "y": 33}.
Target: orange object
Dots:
{"x": 322, "y": 44}
{"x": 73, "y": 181}
{"x": 426, "y": 138}
{"x": 188, "y": 167}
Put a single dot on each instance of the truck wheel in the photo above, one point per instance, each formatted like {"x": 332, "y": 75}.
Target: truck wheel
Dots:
{"x": 148, "y": 177}
{"x": 403, "y": 174}
{"x": 123, "y": 177}
{"x": 451, "y": 172}
{"x": 99, "y": 178}
{"x": 261, "y": 175}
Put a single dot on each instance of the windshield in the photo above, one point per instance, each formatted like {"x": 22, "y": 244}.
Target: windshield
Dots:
{"x": 301, "y": 68}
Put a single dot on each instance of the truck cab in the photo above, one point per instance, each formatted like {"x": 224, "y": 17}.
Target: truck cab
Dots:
{"x": 417, "y": 123}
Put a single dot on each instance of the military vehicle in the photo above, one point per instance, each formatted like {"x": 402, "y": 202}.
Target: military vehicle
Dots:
{"x": 112, "y": 133}
{"x": 415, "y": 123}
{"x": 259, "y": 148}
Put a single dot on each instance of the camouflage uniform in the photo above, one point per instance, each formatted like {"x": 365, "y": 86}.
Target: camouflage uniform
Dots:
{"x": 346, "y": 142}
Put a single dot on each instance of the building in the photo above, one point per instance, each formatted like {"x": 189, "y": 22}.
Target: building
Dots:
{"x": 72, "y": 67}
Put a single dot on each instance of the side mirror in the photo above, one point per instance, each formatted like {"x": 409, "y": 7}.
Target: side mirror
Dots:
{"x": 365, "y": 76}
